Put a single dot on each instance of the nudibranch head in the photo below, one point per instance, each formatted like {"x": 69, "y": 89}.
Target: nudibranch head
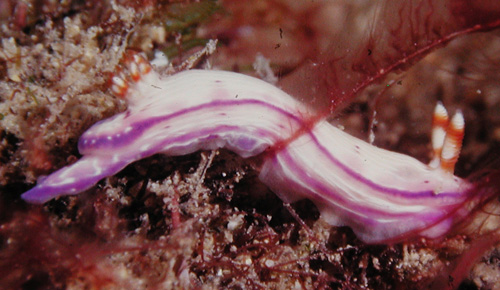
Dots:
{"x": 385, "y": 196}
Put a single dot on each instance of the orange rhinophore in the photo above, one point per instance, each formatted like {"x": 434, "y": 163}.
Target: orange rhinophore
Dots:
{"x": 453, "y": 142}
{"x": 440, "y": 123}
{"x": 446, "y": 138}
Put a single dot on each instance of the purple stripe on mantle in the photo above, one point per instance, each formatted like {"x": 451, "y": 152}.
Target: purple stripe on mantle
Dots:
{"x": 102, "y": 142}
{"x": 371, "y": 184}
{"x": 210, "y": 134}
{"x": 320, "y": 191}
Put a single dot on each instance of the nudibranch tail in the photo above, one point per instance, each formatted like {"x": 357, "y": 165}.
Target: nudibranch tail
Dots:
{"x": 381, "y": 195}
{"x": 75, "y": 178}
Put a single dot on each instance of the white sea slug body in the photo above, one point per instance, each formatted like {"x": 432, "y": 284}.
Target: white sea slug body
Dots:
{"x": 380, "y": 194}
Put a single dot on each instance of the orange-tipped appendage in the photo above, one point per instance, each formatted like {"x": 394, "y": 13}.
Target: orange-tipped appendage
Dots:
{"x": 440, "y": 123}
{"x": 144, "y": 66}
{"x": 119, "y": 85}
{"x": 453, "y": 142}
{"x": 133, "y": 67}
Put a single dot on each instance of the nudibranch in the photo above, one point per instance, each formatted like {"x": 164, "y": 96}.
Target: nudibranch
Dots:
{"x": 381, "y": 195}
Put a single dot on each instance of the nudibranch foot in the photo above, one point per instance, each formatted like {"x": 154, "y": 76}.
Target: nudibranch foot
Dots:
{"x": 381, "y": 195}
